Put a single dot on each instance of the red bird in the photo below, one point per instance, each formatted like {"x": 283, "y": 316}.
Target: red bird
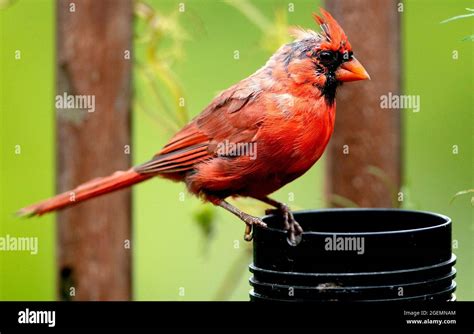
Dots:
{"x": 285, "y": 111}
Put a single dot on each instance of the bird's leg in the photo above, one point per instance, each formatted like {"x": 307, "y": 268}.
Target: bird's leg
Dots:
{"x": 290, "y": 224}
{"x": 245, "y": 217}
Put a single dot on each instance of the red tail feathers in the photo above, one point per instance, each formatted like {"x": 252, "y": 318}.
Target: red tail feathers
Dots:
{"x": 91, "y": 189}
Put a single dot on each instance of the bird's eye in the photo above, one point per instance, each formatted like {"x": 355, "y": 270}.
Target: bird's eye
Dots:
{"x": 327, "y": 56}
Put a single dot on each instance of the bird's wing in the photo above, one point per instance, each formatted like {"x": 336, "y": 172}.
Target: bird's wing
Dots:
{"x": 234, "y": 116}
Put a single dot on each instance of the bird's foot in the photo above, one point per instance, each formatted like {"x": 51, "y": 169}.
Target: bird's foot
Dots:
{"x": 251, "y": 221}
{"x": 295, "y": 231}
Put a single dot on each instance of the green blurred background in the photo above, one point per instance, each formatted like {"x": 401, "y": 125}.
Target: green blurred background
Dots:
{"x": 174, "y": 258}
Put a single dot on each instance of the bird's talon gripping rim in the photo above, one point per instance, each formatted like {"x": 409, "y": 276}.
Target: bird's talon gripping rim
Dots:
{"x": 248, "y": 232}
{"x": 294, "y": 240}
{"x": 295, "y": 231}
{"x": 249, "y": 227}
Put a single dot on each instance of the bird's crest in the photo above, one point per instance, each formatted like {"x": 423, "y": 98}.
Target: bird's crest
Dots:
{"x": 332, "y": 36}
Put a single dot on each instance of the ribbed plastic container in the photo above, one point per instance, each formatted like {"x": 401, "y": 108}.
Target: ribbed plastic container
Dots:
{"x": 355, "y": 255}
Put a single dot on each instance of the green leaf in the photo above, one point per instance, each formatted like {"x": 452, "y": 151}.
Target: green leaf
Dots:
{"x": 205, "y": 217}
{"x": 461, "y": 193}
{"x": 457, "y": 17}
{"x": 468, "y": 38}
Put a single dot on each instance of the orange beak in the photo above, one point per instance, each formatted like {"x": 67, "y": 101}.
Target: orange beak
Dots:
{"x": 352, "y": 71}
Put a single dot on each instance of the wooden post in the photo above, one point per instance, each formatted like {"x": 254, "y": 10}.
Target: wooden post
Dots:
{"x": 367, "y": 136}
{"x": 92, "y": 42}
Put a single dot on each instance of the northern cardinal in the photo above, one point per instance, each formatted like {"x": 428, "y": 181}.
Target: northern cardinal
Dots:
{"x": 286, "y": 110}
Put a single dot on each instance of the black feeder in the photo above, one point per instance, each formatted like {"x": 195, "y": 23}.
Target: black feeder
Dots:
{"x": 355, "y": 255}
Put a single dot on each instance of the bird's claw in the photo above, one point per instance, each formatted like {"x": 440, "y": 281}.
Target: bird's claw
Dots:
{"x": 295, "y": 231}
{"x": 251, "y": 221}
